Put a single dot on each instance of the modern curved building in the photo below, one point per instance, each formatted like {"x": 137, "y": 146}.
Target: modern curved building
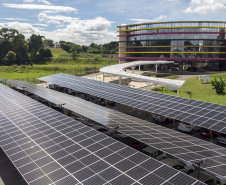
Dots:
{"x": 182, "y": 41}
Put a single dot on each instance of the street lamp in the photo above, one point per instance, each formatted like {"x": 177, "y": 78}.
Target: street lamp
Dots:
{"x": 199, "y": 163}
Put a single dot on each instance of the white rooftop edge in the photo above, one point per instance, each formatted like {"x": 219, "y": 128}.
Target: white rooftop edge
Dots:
{"x": 119, "y": 70}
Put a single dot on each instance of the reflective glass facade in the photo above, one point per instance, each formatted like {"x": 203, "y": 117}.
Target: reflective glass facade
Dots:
{"x": 177, "y": 41}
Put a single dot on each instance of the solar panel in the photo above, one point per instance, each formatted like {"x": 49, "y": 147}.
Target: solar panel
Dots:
{"x": 205, "y": 114}
{"x": 50, "y": 156}
{"x": 182, "y": 146}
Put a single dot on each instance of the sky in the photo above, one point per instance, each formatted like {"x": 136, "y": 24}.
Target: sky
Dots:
{"x": 95, "y": 21}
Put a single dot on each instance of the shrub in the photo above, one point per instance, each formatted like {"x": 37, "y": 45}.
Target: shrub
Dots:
{"x": 218, "y": 85}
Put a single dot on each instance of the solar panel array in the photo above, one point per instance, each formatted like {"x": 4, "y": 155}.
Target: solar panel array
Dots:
{"x": 180, "y": 145}
{"x": 203, "y": 114}
{"x": 48, "y": 147}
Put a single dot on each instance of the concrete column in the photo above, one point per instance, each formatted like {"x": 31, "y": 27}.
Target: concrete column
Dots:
{"x": 120, "y": 80}
{"x": 133, "y": 69}
{"x": 156, "y": 68}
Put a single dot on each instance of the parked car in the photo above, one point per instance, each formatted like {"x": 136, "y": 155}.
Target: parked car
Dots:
{"x": 206, "y": 132}
{"x": 51, "y": 86}
{"x": 179, "y": 165}
{"x": 187, "y": 127}
{"x": 155, "y": 153}
{"x": 136, "y": 144}
{"x": 161, "y": 119}
{"x": 221, "y": 138}
{"x": 207, "y": 178}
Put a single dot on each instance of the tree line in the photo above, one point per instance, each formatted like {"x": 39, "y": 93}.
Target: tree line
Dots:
{"x": 15, "y": 49}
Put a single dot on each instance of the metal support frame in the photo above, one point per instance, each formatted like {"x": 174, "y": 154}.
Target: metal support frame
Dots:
{"x": 156, "y": 68}
{"x": 120, "y": 80}
{"x": 65, "y": 111}
{"x": 211, "y": 135}
{"x": 36, "y": 98}
{"x": 174, "y": 123}
{"x": 133, "y": 68}
{"x": 178, "y": 92}
{"x": 25, "y": 92}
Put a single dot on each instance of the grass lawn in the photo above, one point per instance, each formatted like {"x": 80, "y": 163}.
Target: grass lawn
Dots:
{"x": 203, "y": 92}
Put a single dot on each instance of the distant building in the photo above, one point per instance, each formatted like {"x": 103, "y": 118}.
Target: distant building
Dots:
{"x": 182, "y": 41}
{"x": 57, "y": 45}
{"x": 109, "y": 55}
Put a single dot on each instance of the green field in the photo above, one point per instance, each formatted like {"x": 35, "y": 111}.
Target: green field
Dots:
{"x": 61, "y": 62}
{"x": 200, "y": 91}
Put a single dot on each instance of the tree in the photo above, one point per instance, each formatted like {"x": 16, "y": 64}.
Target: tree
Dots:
{"x": 45, "y": 53}
{"x": 110, "y": 48}
{"x": 70, "y": 47}
{"x": 84, "y": 48}
{"x": 48, "y": 53}
{"x": 35, "y": 44}
{"x": 48, "y": 43}
{"x": 20, "y": 47}
{"x": 5, "y": 47}
{"x": 11, "y": 57}
{"x": 218, "y": 85}
{"x": 74, "y": 55}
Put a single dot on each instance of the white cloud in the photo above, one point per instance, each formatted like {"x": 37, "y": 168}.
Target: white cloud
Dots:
{"x": 40, "y": 25}
{"x": 39, "y": 1}
{"x": 28, "y": 1}
{"x": 40, "y": 7}
{"x": 206, "y": 6}
{"x": 78, "y": 31}
{"x": 24, "y": 28}
{"x": 54, "y": 19}
{"x": 86, "y": 31}
{"x": 160, "y": 18}
{"x": 14, "y": 19}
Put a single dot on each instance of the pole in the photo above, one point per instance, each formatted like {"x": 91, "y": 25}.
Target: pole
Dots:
{"x": 69, "y": 72}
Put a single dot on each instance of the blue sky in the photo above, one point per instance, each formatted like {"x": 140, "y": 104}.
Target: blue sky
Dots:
{"x": 87, "y": 21}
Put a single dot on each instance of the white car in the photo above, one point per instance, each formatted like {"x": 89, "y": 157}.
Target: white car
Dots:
{"x": 179, "y": 165}
{"x": 161, "y": 119}
{"x": 207, "y": 178}
{"x": 152, "y": 152}
{"x": 187, "y": 127}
